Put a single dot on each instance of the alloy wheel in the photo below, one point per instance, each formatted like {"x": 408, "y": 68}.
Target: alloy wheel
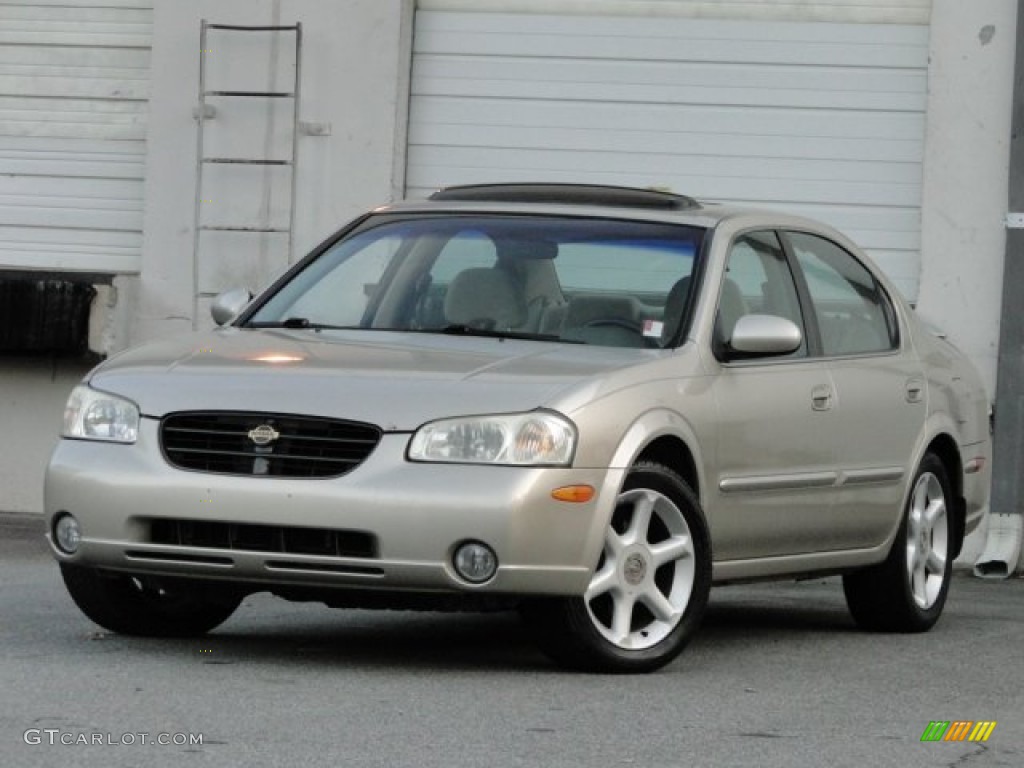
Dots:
{"x": 645, "y": 576}
{"x": 927, "y": 540}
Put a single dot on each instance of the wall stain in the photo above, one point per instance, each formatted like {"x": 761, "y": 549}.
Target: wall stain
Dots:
{"x": 986, "y": 34}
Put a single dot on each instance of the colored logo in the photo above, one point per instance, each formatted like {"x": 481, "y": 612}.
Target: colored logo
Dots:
{"x": 958, "y": 730}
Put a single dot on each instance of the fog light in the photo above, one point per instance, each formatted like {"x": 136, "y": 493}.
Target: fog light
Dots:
{"x": 68, "y": 534}
{"x": 475, "y": 562}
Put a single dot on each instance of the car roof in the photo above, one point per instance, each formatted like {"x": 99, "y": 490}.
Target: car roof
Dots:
{"x": 595, "y": 201}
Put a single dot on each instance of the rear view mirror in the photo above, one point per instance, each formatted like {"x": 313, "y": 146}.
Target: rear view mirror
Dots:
{"x": 762, "y": 335}
{"x": 228, "y": 304}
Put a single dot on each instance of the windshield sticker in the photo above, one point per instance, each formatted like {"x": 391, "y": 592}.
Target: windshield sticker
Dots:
{"x": 653, "y": 328}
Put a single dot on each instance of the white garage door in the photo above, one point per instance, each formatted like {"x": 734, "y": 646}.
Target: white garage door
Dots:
{"x": 820, "y": 118}
{"x": 74, "y": 84}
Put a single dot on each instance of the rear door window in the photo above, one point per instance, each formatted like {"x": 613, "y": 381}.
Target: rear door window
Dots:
{"x": 853, "y": 312}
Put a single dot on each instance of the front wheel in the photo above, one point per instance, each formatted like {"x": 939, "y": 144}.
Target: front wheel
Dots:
{"x": 907, "y": 592}
{"x": 649, "y": 588}
{"x": 134, "y": 605}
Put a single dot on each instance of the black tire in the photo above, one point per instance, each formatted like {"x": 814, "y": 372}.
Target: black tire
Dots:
{"x": 131, "y": 605}
{"x": 906, "y": 592}
{"x": 670, "y": 557}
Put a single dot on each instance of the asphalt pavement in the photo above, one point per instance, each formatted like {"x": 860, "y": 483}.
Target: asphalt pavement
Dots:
{"x": 778, "y": 676}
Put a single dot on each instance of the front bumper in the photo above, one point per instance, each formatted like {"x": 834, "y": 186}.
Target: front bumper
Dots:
{"x": 417, "y": 513}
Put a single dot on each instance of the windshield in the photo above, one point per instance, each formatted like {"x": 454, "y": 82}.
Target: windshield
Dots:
{"x": 590, "y": 281}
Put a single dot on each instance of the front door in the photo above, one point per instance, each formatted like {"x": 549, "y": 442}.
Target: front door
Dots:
{"x": 777, "y": 429}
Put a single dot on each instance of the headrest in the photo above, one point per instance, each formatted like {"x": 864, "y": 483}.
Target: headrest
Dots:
{"x": 484, "y": 298}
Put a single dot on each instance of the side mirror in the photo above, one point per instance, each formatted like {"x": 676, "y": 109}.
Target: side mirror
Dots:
{"x": 228, "y": 304}
{"x": 763, "y": 335}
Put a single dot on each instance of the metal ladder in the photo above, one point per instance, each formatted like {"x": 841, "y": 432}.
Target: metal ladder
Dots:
{"x": 205, "y": 112}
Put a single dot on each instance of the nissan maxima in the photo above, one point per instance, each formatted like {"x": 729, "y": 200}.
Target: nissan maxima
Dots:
{"x": 588, "y": 404}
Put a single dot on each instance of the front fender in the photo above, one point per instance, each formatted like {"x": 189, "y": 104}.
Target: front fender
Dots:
{"x": 645, "y": 430}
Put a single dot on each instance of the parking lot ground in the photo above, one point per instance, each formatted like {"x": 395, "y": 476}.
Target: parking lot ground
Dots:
{"x": 777, "y": 676}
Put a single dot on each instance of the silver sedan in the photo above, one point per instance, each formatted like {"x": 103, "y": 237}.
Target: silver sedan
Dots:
{"x": 586, "y": 403}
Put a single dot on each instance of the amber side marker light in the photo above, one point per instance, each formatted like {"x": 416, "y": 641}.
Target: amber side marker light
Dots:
{"x": 574, "y": 494}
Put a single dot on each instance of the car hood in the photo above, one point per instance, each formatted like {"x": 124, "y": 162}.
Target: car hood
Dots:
{"x": 395, "y": 380}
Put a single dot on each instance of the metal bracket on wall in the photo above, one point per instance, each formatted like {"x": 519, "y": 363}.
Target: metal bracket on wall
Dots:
{"x": 208, "y": 112}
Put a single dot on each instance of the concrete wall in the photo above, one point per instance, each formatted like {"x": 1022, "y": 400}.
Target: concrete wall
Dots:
{"x": 966, "y": 171}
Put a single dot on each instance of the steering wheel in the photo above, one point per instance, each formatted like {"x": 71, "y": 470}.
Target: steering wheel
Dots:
{"x": 621, "y": 332}
{"x": 630, "y": 325}
{"x": 614, "y": 322}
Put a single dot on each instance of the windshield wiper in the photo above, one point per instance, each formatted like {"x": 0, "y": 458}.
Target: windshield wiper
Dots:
{"x": 460, "y": 329}
{"x": 301, "y": 322}
{"x": 455, "y": 329}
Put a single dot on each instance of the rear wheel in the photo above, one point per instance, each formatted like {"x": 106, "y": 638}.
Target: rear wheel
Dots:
{"x": 907, "y": 592}
{"x": 650, "y": 586}
{"x": 135, "y": 605}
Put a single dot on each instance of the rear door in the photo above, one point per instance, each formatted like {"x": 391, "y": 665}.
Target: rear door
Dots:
{"x": 879, "y": 393}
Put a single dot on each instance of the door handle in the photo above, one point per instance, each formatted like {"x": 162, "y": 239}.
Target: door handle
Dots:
{"x": 915, "y": 390}
{"x": 821, "y": 398}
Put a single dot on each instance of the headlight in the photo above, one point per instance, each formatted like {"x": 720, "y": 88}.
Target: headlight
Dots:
{"x": 538, "y": 438}
{"x": 94, "y": 415}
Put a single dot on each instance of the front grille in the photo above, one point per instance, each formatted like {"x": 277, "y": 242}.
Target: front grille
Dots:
{"x": 292, "y": 540}
{"x": 265, "y": 444}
